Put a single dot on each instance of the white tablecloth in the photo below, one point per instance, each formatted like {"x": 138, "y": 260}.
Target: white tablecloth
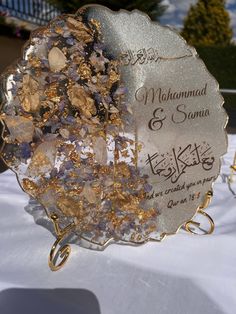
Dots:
{"x": 184, "y": 274}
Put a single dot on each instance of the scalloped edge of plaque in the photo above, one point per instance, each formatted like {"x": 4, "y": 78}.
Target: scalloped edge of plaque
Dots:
{"x": 81, "y": 240}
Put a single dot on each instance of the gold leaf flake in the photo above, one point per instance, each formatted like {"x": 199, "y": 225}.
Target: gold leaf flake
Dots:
{"x": 69, "y": 206}
{"x": 84, "y": 71}
{"x": 79, "y": 30}
{"x": 113, "y": 76}
{"x": 29, "y": 185}
{"x": 97, "y": 24}
{"x": 29, "y": 96}
{"x": 81, "y": 100}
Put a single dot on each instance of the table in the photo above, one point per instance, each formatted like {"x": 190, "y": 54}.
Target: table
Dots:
{"x": 184, "y": 274}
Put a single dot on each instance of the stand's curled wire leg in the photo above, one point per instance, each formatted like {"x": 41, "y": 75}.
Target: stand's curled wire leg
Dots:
{"x": 206, "y": 202}
{"x": 233, "y": 170}
{"x": 63, "y": 251}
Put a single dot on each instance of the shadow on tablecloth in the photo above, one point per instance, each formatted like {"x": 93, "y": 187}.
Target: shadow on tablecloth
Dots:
{"x": 43, "y": 301}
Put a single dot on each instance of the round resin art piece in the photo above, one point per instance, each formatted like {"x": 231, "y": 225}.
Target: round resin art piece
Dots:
{"x": 113, "y": 124}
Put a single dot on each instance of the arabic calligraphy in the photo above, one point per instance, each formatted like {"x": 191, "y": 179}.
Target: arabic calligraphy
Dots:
{"x": 141, "y": 56}
{"x": 144, "y": 56}
{"x": 174, "y": 164}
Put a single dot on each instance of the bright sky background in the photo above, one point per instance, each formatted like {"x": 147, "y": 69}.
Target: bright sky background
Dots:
{"x": 177, "y": 10}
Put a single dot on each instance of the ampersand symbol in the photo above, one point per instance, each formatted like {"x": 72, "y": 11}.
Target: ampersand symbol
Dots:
{"x": 156, "y": 122}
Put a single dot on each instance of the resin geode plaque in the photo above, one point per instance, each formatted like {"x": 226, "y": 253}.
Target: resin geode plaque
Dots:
{"x": 113, "y": 123}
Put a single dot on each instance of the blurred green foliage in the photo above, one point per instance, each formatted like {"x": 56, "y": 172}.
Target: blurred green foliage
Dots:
{"x": 221, "y": 62}
{"x": 208, "y": 23}
{"x": 154, "y": 8}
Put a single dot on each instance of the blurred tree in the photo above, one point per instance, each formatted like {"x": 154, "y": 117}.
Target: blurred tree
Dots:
{"x": 208, "y": 23}
{"x": 154, "y": 8}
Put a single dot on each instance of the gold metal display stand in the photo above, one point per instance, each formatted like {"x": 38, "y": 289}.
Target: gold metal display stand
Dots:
{"x": 65, "y": 250}
{"x": 233, "y": 169}
{"x": 231, "y": 176}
